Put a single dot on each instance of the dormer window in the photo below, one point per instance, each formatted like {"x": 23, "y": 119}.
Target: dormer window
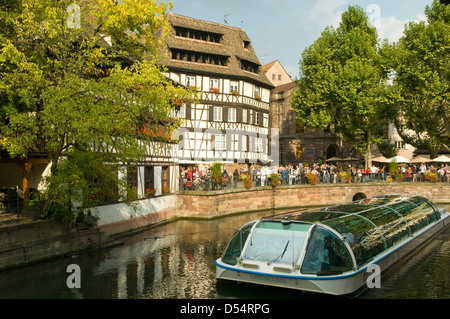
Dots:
{"x": 199, "y": 57}
{"x": 249, "y": 66}
{"x": 246, "y": 44}
{"x": 198, "y": 35}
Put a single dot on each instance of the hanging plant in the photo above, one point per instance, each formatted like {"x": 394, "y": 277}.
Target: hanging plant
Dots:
{"x": 432, "y": 177}
{"x": 312, "y": 178}
{"x": 345, "y": 176}
{"x": 274, "y": 181}
{"x": 247, "y": 181}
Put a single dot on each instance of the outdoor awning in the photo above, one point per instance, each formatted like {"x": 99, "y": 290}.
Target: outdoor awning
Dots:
{"x": 350, "y": 159}
{"x": 334, "y": 159}
{"x": 420, "y": 159}
{"x": 380, "y": 159}
{"x": 442, "y": 159}
{"x": 398, "y": 159}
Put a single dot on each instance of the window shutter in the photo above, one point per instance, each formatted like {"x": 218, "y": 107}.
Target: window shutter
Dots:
{"x": 229, "y": 139}
{"x": 188, "y": 111}
{"x": 224, "y": 114}
{"x": 239, "y": 115}
{"x": 211, "y": 113}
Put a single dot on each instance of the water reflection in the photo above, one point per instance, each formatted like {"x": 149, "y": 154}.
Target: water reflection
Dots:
{"x": 177, "y": 261}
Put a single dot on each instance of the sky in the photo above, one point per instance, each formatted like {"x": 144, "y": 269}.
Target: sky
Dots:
{"x": 282, "y": 29}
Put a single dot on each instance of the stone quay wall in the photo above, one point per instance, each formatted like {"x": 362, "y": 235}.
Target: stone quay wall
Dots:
{"x": 217, "y": 204}
{"x": 21, "y": 244}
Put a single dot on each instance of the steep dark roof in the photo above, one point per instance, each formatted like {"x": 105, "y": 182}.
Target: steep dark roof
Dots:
{"x": 231, "y": 46}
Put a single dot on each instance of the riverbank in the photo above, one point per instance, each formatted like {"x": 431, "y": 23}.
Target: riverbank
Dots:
{"x": 120, "y": 218}
{"x": 26, "y": 242}
{"x": 29, "y": 242}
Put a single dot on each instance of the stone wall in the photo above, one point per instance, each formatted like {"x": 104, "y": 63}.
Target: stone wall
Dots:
{"x": 21, "y": 244}
{"x": 118, "y": 218}
{"x": 217, "y": 204}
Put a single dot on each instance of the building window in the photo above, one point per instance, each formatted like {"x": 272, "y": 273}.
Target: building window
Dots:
{"x": 234, "y": 87}
{"x": 244, "y": 116}
{"x": 249, "y": 66}
{"x": 217, "y": 117}
{"x": 149, "y": 177}
{"x": 214, "y": 84}
{"x": 400, "y": 145}
{"x": 220, "y": 142}
{"x": 259, "y": 145}
{"x": 232, "y": 115}
{"x": 190, "y": 81}
{"x": 274, "y": 77}
{"x": 257, "y": 93}
{"x": 198, "y": 35}
{"x": 198, "y": 57}
{"x": 243, "y": 143}
{"x": 266, "y": 120}
{"x": 279, "y": 77}
{"x": 257, "y": 118}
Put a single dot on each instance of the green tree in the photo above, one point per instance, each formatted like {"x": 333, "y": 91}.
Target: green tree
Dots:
{"x": 421, "y": 64}
{"x": 343, "y": 81}
{"x": 80, "y": 82}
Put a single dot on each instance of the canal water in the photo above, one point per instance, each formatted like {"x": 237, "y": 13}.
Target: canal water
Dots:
{"x": 176, "y": 261}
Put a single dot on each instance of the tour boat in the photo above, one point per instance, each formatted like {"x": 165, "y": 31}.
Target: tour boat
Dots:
{"x": 335, "y": 250}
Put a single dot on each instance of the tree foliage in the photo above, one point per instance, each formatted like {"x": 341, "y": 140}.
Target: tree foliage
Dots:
{"x": 421, "y": 61}
{"x": 78, "y": 83}
{"x": 342, "y": 82}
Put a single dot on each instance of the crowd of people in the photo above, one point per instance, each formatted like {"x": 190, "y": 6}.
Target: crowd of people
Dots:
{"x": 201, "y": 178}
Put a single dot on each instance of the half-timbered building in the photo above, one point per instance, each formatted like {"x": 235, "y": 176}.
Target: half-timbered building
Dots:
{"x": 230, "y": 121}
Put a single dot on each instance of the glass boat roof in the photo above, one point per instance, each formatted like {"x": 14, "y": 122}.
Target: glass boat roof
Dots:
{"x": 372, "y": 225}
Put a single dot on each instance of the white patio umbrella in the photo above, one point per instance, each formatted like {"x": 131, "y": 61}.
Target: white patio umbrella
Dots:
{"x": 442, "y": 159}
{"x": 420, "y": 159}
{"x": 379, "y": 159}
{"x": 398, "y": 159}
{"x": 334, "y": 159}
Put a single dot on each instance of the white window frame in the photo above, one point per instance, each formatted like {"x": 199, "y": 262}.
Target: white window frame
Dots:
{"x": 190, "y": 81}
{"x": 259, "y": 145}
{"x": 244, "y": 147}
{"x": 220, "y": 142}
{"x": 400, "y": 145}
{"x": 232, "y": 114}
{"x": 266, "y": 120}
{"x": 234, "y": 86}
{"x": 213, "y": 83}
{"x": 244, "y": 116}
{"x": 257, "y": 118}
{"x": 257, "y": 91}
{"x": 218, "y": 114}
{"x": 235, "y": 142}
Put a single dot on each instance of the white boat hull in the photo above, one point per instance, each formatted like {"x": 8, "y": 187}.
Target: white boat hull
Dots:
{"x": 343, "y": 284}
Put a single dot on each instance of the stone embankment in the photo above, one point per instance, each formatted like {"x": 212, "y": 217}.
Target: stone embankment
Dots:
{"x": 29, "y": 242}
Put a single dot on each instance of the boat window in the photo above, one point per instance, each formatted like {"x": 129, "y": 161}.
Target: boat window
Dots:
{"x": 326, "y": 254}
{"x": 428, "y": 209}
{"x": 362, "y": 235}
{"x": 417, "y": 212}
{"x": 236, "y": 245}
{"x": 391, "y": 224}
{"x": 277, "y": 242}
